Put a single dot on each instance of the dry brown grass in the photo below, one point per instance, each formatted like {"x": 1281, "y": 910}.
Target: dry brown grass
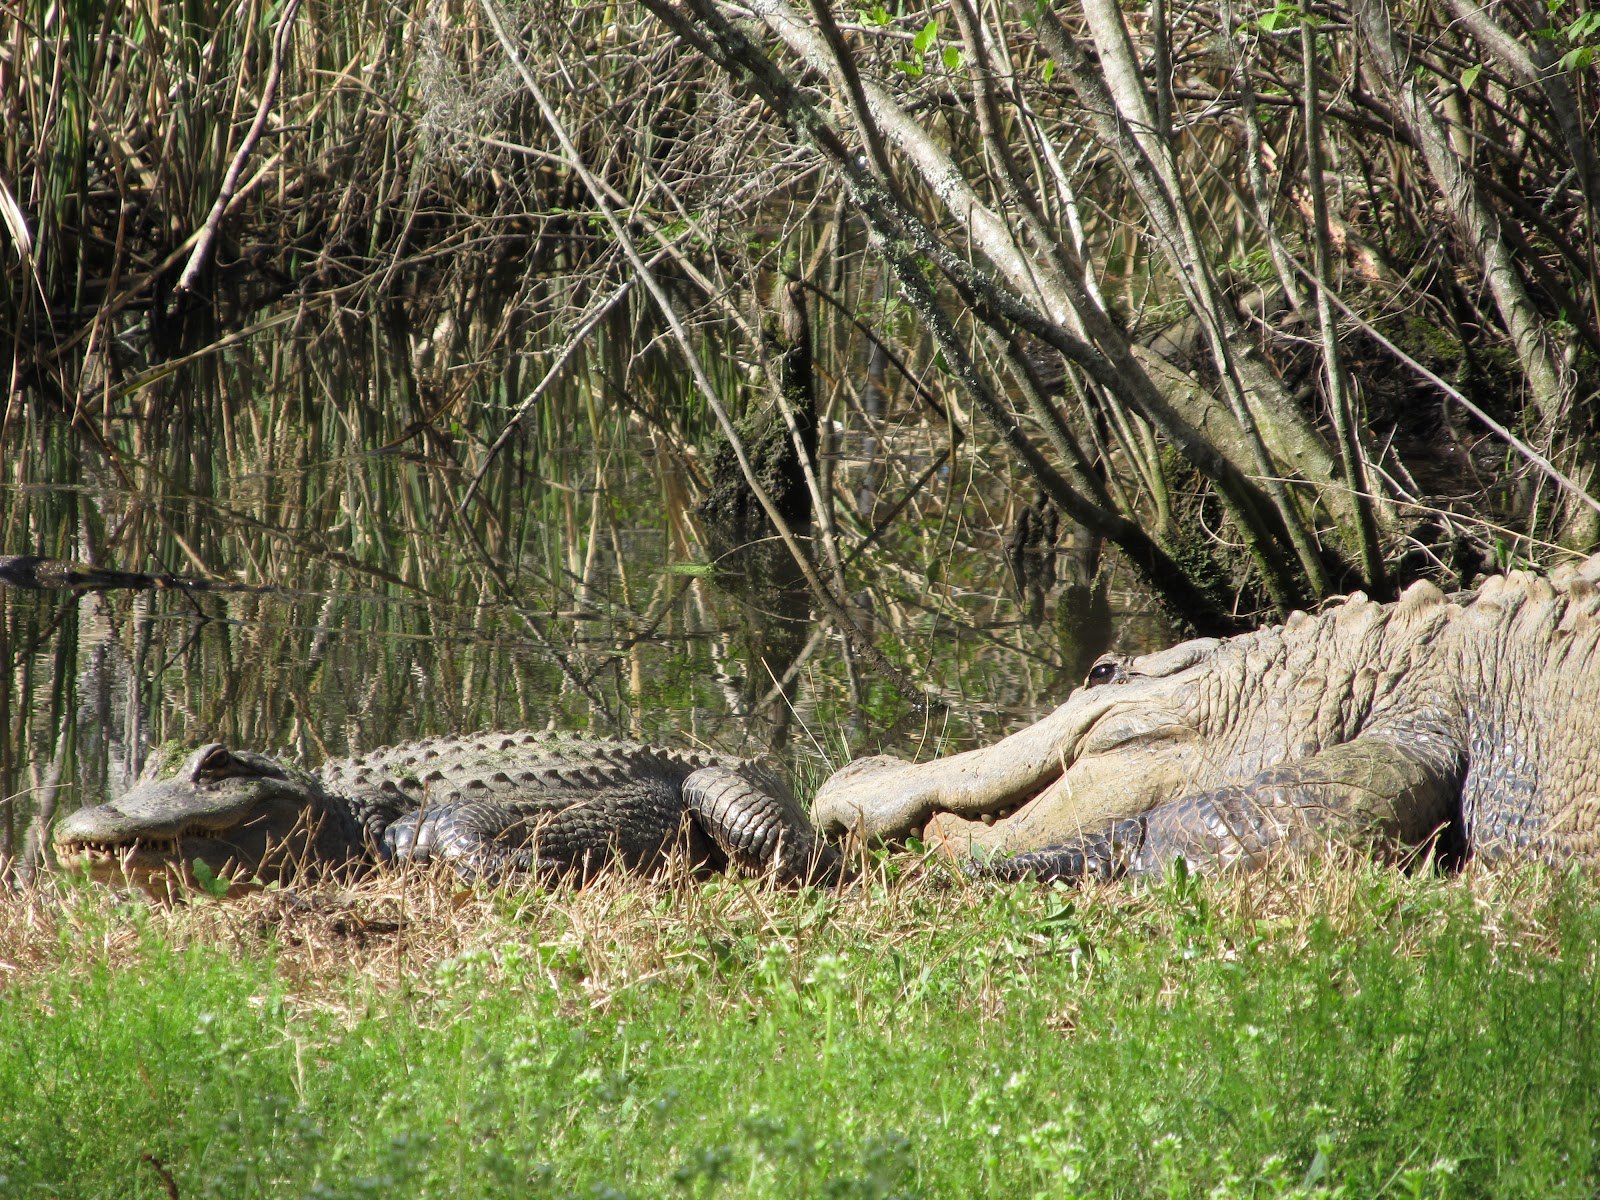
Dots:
{"x": 1342, "y": 1007}
{"x": 409, "y": 930}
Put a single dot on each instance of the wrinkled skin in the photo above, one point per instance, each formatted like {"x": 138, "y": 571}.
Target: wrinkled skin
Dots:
{"x": 1384, "y": 726}
{"x": 487, "y": 804}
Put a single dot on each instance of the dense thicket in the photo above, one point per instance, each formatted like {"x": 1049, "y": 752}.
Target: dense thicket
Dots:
{"x": 1277, "y": 301}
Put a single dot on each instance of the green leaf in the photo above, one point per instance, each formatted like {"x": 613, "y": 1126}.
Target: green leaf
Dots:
{"x": 912, "y": 69}
{"x": 698, "y": 570}
{"x": 1281, "y": 17}
{"x": 952, "y": 58}
{"x": 1318, "y": 1170}
{"x": 1064, "y": 914}
{"x": 1470, "y": 76}
{"x": 924, "y": 40}
{"x": 1583, "y": 27}
{"x": 1048, "y": 70}
{"x": 208, "y": 881}
{"x": 1576, "y": 60}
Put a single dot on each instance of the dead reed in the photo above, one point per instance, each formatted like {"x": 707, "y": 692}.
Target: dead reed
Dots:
{"x": 395, "y": 931}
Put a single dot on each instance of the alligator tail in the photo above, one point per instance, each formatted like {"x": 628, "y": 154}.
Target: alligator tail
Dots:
{"x": 759, "y": 829}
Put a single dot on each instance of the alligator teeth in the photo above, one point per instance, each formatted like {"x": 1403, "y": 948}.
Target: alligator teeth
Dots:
{"x": 165, "y": 846}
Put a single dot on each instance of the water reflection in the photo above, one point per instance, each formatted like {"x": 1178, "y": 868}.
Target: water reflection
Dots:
{"x": 576, "y": 591}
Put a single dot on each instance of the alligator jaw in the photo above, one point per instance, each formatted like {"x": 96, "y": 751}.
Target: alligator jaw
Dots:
{"x": 146, "y": 861}
{"x": 963, "y": 838}
{"x": 1005, "y": 828}
{"x": 1104, "y": 753}
{"x": 885, "y": 799}
{"x": 106, "y": 862}
{"x": 233, "y": 811}
{"x": 1107, "y": 750}
{"x": 132, "y": 839}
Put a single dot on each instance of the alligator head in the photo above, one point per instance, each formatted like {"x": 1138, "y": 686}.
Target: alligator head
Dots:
{"x": 1359, "y": 717}
{"x": 1131, "y": 738}
{"x": 241, "y": 814}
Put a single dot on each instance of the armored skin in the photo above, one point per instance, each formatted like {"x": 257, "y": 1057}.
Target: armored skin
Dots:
{"x": 489, "y": 804}
{"x": 1470, "y": 726}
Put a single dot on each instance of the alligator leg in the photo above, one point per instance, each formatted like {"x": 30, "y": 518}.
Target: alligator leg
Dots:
{"x": 759, "y": 828}
{"x": 490, "y": 837}
{"x": 753, "y": 821}
{"x": 1377, "y": 789}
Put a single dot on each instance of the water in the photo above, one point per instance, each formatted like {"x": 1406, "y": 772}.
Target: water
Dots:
{"x": 573, "y": 592}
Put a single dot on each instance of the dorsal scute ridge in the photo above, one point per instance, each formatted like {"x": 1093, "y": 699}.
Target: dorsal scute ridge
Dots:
{"x": 568, "y": 760}
{"x": 1421, "y": 594}
{"x": 1567, "y": 598}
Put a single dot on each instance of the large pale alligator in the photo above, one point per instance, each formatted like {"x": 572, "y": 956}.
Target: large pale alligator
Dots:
{"x": 550, "y": 804}
{"x": 1469, "y": 726}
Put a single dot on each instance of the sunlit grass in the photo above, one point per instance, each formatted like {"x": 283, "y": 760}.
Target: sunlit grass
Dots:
{"x": 1353, "y": 1031}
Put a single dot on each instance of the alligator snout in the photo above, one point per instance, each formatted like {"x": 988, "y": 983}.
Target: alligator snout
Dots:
{"x": 859, "y": 799}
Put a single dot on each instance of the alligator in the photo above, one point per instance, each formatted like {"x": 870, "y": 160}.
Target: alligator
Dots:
{"x": 1430, "y": 728}
{"x": 35, "y": 573}
{"x": 551, "y": 804}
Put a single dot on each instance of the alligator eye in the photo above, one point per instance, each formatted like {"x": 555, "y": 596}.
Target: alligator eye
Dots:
{"x": 1107, "y": 670}
{"x": 211, "y": 762}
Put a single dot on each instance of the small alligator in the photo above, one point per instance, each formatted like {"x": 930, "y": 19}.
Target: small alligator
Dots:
{"x": 34, "y": 573}
{"x": 490, "y": 804}
{"x": 1471, "y": 728}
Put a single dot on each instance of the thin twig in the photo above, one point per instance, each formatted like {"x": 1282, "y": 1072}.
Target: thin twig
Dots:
{"x": 625, "y": 240}
{"x": 160, "y": 1168}
{"x": 208, "y": 234}
{"x": 574, "y": 343}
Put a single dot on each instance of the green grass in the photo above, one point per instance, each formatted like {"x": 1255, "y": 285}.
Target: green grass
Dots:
{"x": 1352, "y": 1032}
